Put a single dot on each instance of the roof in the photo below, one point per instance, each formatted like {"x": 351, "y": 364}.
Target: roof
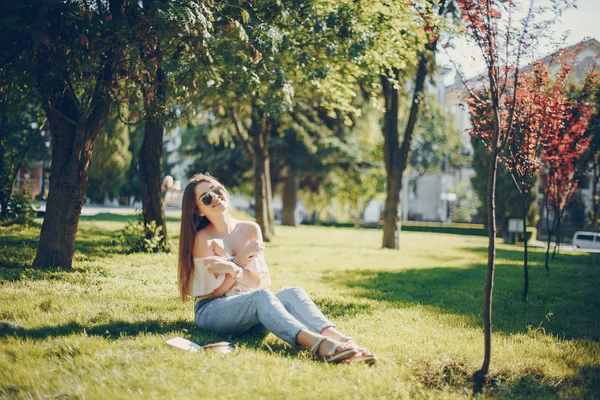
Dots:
{"x": 591, "y": 42}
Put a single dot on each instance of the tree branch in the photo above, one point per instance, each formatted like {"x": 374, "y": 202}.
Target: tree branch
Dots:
{"x": 239, "y": 132}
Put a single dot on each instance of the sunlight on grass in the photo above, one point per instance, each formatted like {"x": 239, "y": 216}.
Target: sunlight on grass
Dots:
{"x": 99, "y": 331}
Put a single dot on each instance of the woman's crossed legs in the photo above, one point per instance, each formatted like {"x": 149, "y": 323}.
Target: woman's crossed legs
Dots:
{"x": 289, "y": 314}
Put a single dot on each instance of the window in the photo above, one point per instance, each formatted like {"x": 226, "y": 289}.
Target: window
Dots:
{"x": 585, "y": 237}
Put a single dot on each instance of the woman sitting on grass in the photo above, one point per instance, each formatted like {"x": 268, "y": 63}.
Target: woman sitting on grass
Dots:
{"x": 221, "y": 265}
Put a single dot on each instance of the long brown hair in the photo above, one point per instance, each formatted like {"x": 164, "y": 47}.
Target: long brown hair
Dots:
{"x": 191, "y": 223}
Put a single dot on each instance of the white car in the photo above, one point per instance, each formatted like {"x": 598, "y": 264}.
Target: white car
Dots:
{"x": 586, "y": 240}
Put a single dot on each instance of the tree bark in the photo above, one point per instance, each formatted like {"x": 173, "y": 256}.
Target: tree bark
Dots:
{"x": 558, "y": 237}
{"x": 259, "y": 134}
{"x": 72, "y": 143}
{"x": 480, "y": 376}
{"x": 268, "y": 184}
{"x": 396, "y": 159}
{"x": 290, "y": 197}
{"x": 5, "y": 191}
{"x": 549, "y": 231}
{"x": 150, "y": 179}
{"x": 150, "y": 164}
{"x": 595, "y": 202}
{"x": 525, "y": 267}
{"x": 391, "y": 228}
{"x": 261, "y": 205}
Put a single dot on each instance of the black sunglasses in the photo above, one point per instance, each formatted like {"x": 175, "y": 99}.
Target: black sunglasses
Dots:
{"x": 207, "y": 198}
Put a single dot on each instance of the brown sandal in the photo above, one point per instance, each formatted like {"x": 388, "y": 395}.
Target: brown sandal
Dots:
{"x": 333, "y": 356}
{"x": 363, "y": 355}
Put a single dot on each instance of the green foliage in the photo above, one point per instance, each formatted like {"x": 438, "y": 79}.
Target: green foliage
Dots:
{"x": 19, "y": 210}
{"x": 467, "y": 203}
{"x": 222, "y": 156}
{"x": 111, "y": 159}
{"x": 575, "y": 211}
{"x": 131, "y": 184}
{"x": 137, "y": 237}
{"x": 591, "y": 160}
{"x": 436, "y": 140}
{"x": 23, "y": 134}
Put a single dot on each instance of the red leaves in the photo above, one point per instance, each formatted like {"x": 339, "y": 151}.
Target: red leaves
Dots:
{"x": 548, "y": 128}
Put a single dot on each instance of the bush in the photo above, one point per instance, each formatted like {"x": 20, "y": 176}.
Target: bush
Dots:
{"x": 19, "y": 211}
{"x": 138, "y": 237}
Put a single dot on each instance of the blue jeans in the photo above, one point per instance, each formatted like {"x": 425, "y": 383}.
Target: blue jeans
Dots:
{"x": 284, "y": 313}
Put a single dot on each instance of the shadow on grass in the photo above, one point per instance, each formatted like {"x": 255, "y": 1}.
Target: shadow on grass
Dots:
{"x": 113, "y": 330}
{"x": 253, "y": 339}
{"x": 568, "y": 292}
{"x": 531, "y": 382}
{"x": 538, "y": 255}
{"x": 17, "y": 253}
{"x": 18, "y": 248}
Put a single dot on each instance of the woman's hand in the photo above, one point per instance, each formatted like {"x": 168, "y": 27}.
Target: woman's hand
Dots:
{"x": 252, "y": 249}
{"x": 220, "y": 265}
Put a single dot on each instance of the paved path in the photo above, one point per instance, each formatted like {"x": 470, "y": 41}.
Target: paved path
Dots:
{"x": 94, "y": 209}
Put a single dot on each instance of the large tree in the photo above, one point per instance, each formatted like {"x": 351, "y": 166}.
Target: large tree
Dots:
{"x": 396, "y": 153}
{"x": 161, "y": 77}
{"x": 74, "y": 57}
{"x": 281, "y": 58}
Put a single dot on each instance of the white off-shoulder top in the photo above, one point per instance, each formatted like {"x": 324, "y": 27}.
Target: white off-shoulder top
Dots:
{"x": 203, "y": 283}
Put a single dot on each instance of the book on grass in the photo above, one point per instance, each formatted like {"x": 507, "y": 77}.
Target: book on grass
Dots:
{"x": 188, "y": 345}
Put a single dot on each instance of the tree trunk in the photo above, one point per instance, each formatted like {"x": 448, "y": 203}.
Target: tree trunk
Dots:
{"x": 391, "y": 229}
{"x": 290, "y": 197}
{"x": 595, "y": 202}
{"x": 4, "y": 189}
{"x": 268, "y": 185}
{"x": 558, "y": 238}
{"x": 71, "y": 155}
{"x": 150, "y": 164}
{"x": 261, "y": 205}
{"x": 550, "y": 232}
{"x": 396, "y": 159}
{"x": 546, "y": 265}
{"x": 480, "y": 376}
{"x": 43, "y": 173}
{"x": 259, "y": 133}
{"x": 525, "y": 267}
{"x": 150, "y": 179}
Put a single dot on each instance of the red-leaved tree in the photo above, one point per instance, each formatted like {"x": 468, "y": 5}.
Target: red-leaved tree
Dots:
{"x": 566, "y": 121}
{"x": 522, "y": 155}
{"x": 503, "y": 43}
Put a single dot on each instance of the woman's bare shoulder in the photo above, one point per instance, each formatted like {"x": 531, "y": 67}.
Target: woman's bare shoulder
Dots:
{"x": 249, "y": 228}
{"x": 243, "y": 223}
{"x": 202, "y": 244}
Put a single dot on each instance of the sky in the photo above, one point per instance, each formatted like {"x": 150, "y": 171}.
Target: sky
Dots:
{"x": 581, "y": 22}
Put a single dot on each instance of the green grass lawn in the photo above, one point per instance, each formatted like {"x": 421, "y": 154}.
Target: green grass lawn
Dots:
{"x": 99, "y": 331}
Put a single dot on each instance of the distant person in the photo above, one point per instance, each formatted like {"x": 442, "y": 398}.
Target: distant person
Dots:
{"x": 221, "y": 265}
{"x": 167, "y": 184}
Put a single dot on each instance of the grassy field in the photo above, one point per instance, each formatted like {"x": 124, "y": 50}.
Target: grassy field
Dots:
{"x": 99, "y": 331}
